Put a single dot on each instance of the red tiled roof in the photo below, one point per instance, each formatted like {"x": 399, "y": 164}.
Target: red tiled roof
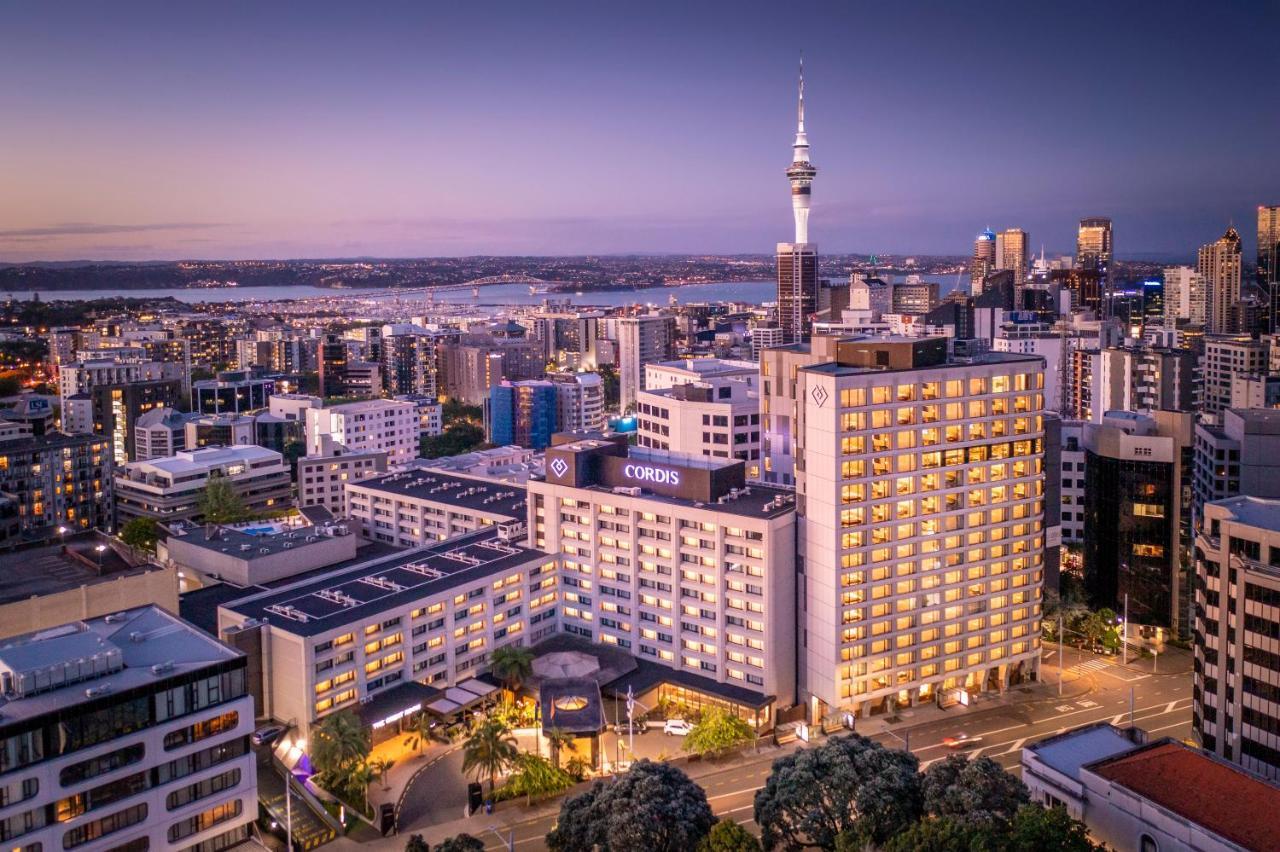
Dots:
{"x": 1221, "y": 798}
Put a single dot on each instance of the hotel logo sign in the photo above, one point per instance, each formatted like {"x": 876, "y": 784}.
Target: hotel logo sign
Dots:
{"x": 656, "y": 475}
{"x": 559, "y": 466}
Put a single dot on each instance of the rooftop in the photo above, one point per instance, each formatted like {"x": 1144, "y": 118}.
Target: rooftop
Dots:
{"x": 54, "y": 669}
{"x": 255, "y": 540}
{"x": 47, "y": 570}
{"x": 1067, "y": 752}
{"x": 1257, "y": 512}
{"x": 358, "y": 593}
{"x": 1206, "y": 790}
{"x": 707, "y": 367}
{"x": 205, "y": 459}
{"x": 493, "y": 498}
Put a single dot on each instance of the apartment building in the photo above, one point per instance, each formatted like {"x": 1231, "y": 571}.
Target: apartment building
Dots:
{"x": 1236, "y": 686}
{"x": 677, "y": 560}
{"x": 717, "y": 417}
{"x": 59, "y": 481}
{"x": 1241, "y": 456}
{"x": 158, "y": 433}
{"x": 172, "y": 488}
{"x": 920, "y": 484}
{"x": 376, "y": 425}
{"x": 667, "y": 374}
{"x": 417, "y": 507}
{"x": 129, "y": 731}
{"x": 642, "y": 340}
{"x": 579, "y": 401}
{"x": 430, "y": 412}
{"x": 1225, "y": 357}
{"x": 387, "y": 637}
{"x": 232, "y": 392}
{"x": 322, "y": 480}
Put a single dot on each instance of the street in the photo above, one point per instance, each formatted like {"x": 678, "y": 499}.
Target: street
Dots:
{"x": 1161, "y": 706}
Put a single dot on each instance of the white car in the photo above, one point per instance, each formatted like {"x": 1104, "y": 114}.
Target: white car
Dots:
{"x": 676, "y": 728}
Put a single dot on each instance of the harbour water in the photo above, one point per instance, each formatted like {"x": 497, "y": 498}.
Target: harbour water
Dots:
{"x": 498, "y": 294}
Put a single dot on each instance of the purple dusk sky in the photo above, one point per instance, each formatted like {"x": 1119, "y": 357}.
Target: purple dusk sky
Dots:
{"x": 232, "y": 130}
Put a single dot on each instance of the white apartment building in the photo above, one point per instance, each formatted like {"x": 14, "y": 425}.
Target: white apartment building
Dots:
{"x": 158, "y": 433}
{"x": 387, "y": 637}
{"x": 416, "y": 507}
{"x": 375, "y": 425}
{"x": 641, "y": 340}
{"x": 172, "y": 488}
{"x": 430, "y": 412}
{"x": 719, "y": 418}
{"x": 668, "y": 374}
{"x": 579, "y": 402}
{"x": 1225, "y": 357}
{"x": 129, "y": 731}
{"x": 1185, "y": 296}
{"x": 765, "y": 337}
{"x": 921, "y": 485}
{"x": 677, "y": 560}
{"x": 1074, "y": 455}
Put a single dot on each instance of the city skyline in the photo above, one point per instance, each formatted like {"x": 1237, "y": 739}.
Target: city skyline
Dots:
{"x": 187, "y": 134}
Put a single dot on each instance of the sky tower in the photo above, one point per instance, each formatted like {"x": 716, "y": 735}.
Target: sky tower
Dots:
{"x": 801, "y": 171}
{"x": 798, "y": 261}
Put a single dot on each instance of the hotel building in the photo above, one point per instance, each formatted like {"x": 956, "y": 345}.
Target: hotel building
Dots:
{"x": 676, "y": 560}
{"x": 920, "y": 486}
{"x": 416, "y": 507}
{"x": 125, "y": 732}
{"x": 394, "y": 635}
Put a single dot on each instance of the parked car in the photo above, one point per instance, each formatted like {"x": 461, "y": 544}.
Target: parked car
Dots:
{"x": 960, "y": 741}
{"x": 637, "y": 726}
{"x": 677, "y": 728}
{"x": 267, "y": 734}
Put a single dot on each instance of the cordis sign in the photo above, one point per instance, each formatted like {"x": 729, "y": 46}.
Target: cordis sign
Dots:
{"x": 656, "y": 475}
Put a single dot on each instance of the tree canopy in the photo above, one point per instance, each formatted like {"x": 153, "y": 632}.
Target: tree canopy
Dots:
{"x": 460, "y": 843}
{"x": 512, "y": 664}
{"x": 141, "y": 533}
{"x": 728, "y": 836}
{"x": 339, "y": 747}
{"x": 972, "y": 790}
{"x": 652, "y": 808}
{"x": 718, "y": 732}
{"x": 221, "y": 504}
{"x": 535, "y": 775}
{"x": 489, "y": 751}
{"x": 848, "y": 785}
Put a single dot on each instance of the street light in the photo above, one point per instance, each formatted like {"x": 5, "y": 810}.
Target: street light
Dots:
{"x": 102, "y": 548}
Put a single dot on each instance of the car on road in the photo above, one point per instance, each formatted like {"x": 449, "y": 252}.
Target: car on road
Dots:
{"x": 960, "y": 741}
{"x": 677, "y": 728}
{"x": 636, "y": 726}
{"x": 266, "y": 734}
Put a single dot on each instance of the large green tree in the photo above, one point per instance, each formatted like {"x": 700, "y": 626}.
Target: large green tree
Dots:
{"x": 728, "y": 836}
{"x": 945, "y": 834}
{"x": 849, "y": 785}
{"x": 654, "y": 807}
{"x": 718, "y": 732}
{"x": 141, "y": 534}
{"x": 417, "y": 844}
{"x": 973, "y": 790}
{"x": 1038, "y": 829}
{"x": 489, "y": 751}
{"x": 221, "y": 504}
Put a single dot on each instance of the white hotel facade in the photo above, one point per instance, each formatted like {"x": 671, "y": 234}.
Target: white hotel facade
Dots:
{"x": 920, "y": 488}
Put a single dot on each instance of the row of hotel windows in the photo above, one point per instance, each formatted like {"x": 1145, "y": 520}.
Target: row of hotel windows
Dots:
{"x": 951, "y": 389}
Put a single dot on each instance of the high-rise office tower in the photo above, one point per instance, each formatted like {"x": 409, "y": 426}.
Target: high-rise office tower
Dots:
{"x": 1269, "y": 262}
{"x": 1219, "y": 265}
{"x": 1184, "y": 296}
{"x": 798, "y": 261}
{"x": 1094, "y": 252}
{"x": 1012, "y": 253}
{"x": 984, "y": 260}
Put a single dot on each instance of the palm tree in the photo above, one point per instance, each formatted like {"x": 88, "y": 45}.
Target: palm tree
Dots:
{"x": 380, "y": 768}
{"x": 339, "y": 745}
{"x": 419, "y": 733}
{"x": 488, "y": 751}
{"x": 512, "y": 664}
{"x": 557, "y": 738}
{"x": 359, "y": 777}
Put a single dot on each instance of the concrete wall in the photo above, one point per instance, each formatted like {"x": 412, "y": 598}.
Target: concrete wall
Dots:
{"x": 158, "y": 587}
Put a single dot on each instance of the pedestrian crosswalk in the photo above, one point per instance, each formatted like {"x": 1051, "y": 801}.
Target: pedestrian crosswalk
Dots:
{"x": 1090, "y": 666}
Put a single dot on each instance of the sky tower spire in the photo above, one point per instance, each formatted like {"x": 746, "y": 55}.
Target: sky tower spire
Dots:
{"x": 801, "y": 171}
